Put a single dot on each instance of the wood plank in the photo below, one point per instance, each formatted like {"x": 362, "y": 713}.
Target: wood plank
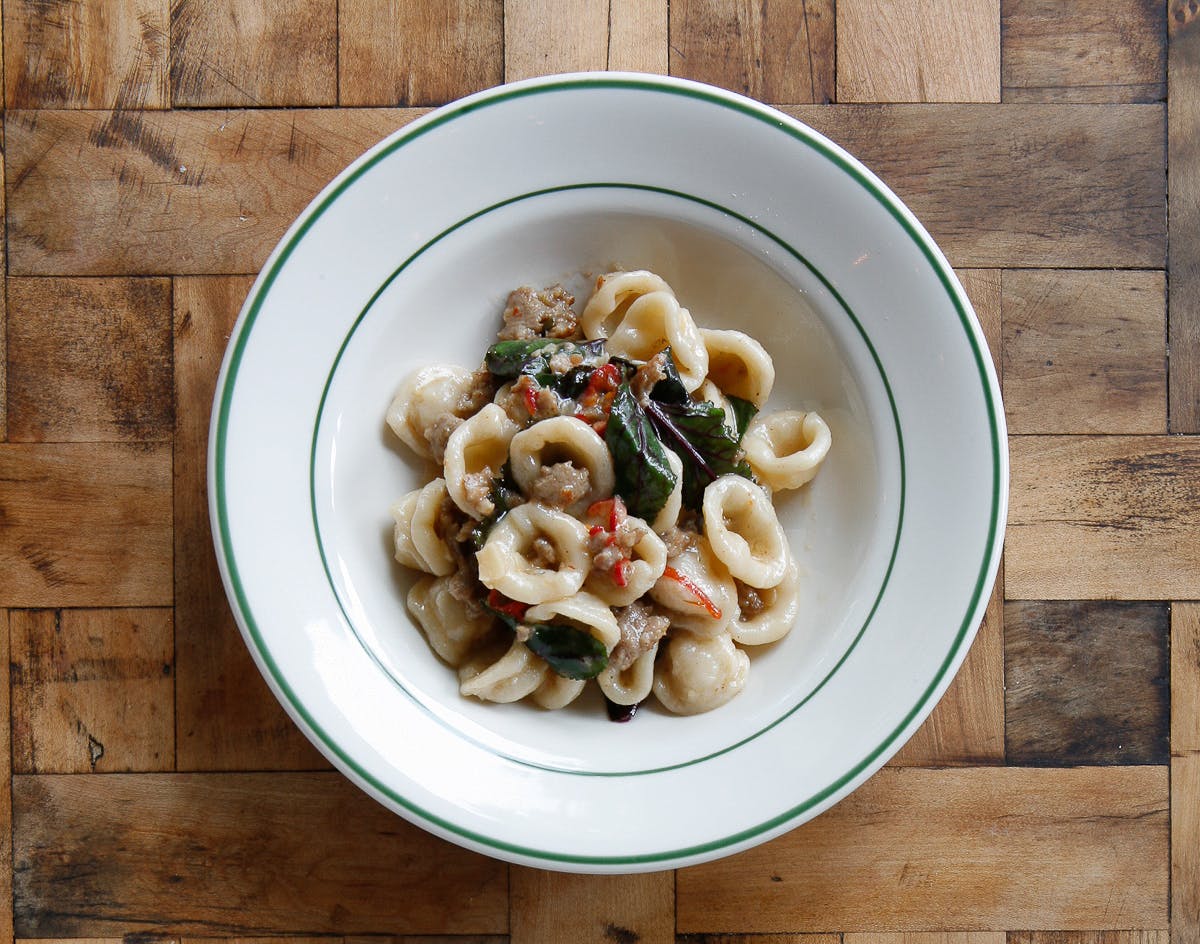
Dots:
{"x": 557, "y": 908}
{"x": 918, "y": 51}
{"x": 1185, "y": 773}
{"x": 404, "y": 52}
{"x": 637, "y": 36}
{"x": 1085, "y": 352}
{"x": 1020, "y": 185}
{"x": 970, "y": 850}
{"x": 1098, "y": 202}
{"x": 211, "y": 854}
{"x": 99, "y": 369}
{"x": 967, "y": 726}
{"x": 240, "y": 53}
{"x": 1185, "y": 849}
{"x": 171, "y": 192}
{"x": 1113, "y": 517}
{"x": 86, "y": 54}
{"x": 1089, "y": 937}
{"x": 1086, "y": 683}
{"x": 925, "y": 937}
{"x": 778, "y": 53}
{"x": 85, "y": 524}
{"x": 1100, "y": 51}
{"x": 546, "y": 36}
{"x": 92, "y": 691}
{"x": 983, "y": 288}
{"x": 759, "y": 939}
{"x": 1183, "y": 289}
{"x": 226, "y": 717}
{"x": 3, "y": 295}
{"x": 419, "y": 939}
{"x": 6, "y": 832}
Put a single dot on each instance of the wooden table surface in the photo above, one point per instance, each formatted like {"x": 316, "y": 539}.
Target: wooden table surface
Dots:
{"x": 154, "y": 152}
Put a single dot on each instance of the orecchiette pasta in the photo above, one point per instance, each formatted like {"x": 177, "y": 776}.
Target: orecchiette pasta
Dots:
{"x": 449, "y": 625}
{"x": 785, "y": 449}
{"x": 743, "y": 531}
{"x": 424, "y": 397}
{"x": 738, "y": 365}
{"x": 475, "y": 454}
{"x": 603, "y": 510}
{"x": 535, "y": 554}
{"x": 698, "y": 674}
{"x": 536, "y": 451}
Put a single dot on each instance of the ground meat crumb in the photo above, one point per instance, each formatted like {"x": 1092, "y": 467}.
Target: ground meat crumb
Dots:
{"x": 544, "y": 554}
{"x": 607, "y": 548}
{"x": 469, "y": 592}
{"x": 478, "y": 394}
{"x": 478, "y": 489}
{"x": 678, "y": 540}
{"x": 560, "y": 485}
{"x": 641, "y": 629}
{"x": 545, "y": 314}
{"x": 439, "y": 434}
{"x": 649, "y": 374}
{"x": 751, "y": 601}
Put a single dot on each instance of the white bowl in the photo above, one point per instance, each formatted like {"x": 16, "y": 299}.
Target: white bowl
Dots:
{"x": 758, "y": 223}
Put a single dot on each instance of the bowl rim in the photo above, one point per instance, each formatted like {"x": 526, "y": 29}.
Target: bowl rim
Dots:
{"x": 294, "y": 704}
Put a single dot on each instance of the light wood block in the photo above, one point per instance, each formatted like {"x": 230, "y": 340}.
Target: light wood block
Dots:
{"x": 918, "y": 51}
{"x": 974, "y": 849}
{"x": 405, "y": 52}
{"x": 1112, "y": 517}
{"x": 89, "y": 360}
{"x": 85, "y": 524}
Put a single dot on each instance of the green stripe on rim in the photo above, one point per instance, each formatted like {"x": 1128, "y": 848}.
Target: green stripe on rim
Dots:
{"x": 254, "y": 304}
{"x": 828, "y": 286}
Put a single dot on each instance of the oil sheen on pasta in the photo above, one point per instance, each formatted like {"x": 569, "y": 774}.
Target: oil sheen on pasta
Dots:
{"x": 603, "y": 511}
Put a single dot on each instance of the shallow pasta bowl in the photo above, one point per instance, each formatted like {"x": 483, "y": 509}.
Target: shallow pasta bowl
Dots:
{"x": 758, "y": 223}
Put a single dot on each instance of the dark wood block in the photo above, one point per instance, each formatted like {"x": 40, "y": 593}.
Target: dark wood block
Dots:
{"x": 1086, "y": 683}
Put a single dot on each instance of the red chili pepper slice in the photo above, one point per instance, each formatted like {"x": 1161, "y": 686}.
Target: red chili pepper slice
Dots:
{"x": 702, "y": 598}
{"x": 531, "y": 403}
{"x": 605, "y": 379}
{"x": 621, "y": 572}
{"x": 502, "y": 604}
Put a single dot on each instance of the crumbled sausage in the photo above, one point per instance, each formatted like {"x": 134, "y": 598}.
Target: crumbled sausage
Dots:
{"x": 439, "y": 434}
{"x": 649, "y": 374}
{"x": 545, "y": 314}
{"x": 751, "y": 601}
{"x": 544, "y": 553}
{"x": 560, "y": 485}
{"x": 478, "y": 393}
{"x": 478, "y": 489}
{"x": 641, "y": 629}
{"x": 678, "y": 540}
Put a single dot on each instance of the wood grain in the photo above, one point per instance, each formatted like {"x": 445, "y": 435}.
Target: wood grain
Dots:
{"x": 591, "y": 909}
{"x": 1085, "y": 352}
{"x": 547, "y": 36}
{"x": 171, "y": 192}
{"x": 1101, "y": 51}
{"x": 967, "y": 726}
{"x": 1183, "y": 287}
{"x": 1112, "y": 517}
{"x": 778, "y": 53}
{"x": 246, "y": 53}
{"x": 1185, "y": 773}
{"x": 759, "y": 939}
{"x": 85, "y": 524}
{"x": 404, "y": 52}
{"x": 1019, "y": 185}
{"x": 1086, "y": 683}
{"x": 925, "y": 937}
{"x": 226, "y": 717}
{"x": 92, "y": 690}
{"x": 89, "y": 360}
{"x": 86, "y": 54}
{"x": 983, "y": 288}
{"x": 3, "y": 298}
{"x": 637, "y": 36}
{"x": 6, "y": 851}
{"x": 207, "y": 854}
{"x": 1089, "y": 937}
{"x": 918, "y": 51}
{"x": 973, "y": 849}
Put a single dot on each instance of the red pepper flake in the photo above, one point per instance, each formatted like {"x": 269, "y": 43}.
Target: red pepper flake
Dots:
{"x": 531, "y": 403}
{"x": 605, "y": 379}
{"x": 621, "y": 572}
{"x": 502, "y": 604}
{"x": 702, "y": 598}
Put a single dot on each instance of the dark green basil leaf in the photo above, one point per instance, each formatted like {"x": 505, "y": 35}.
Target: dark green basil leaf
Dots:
{"x": 505, "y": 496}
{"x": 570, "y": 652}
{"x": 506, "y": 359}
{"x": 697, "y": 433}
{"x": 670, "y": 389}
{"x": 574, "y": 381}
{"x": 743, "y": 412}
{"x": 644, "y": 478}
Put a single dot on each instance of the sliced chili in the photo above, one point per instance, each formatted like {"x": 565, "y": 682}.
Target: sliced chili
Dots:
{"x": 702, "y": 598}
